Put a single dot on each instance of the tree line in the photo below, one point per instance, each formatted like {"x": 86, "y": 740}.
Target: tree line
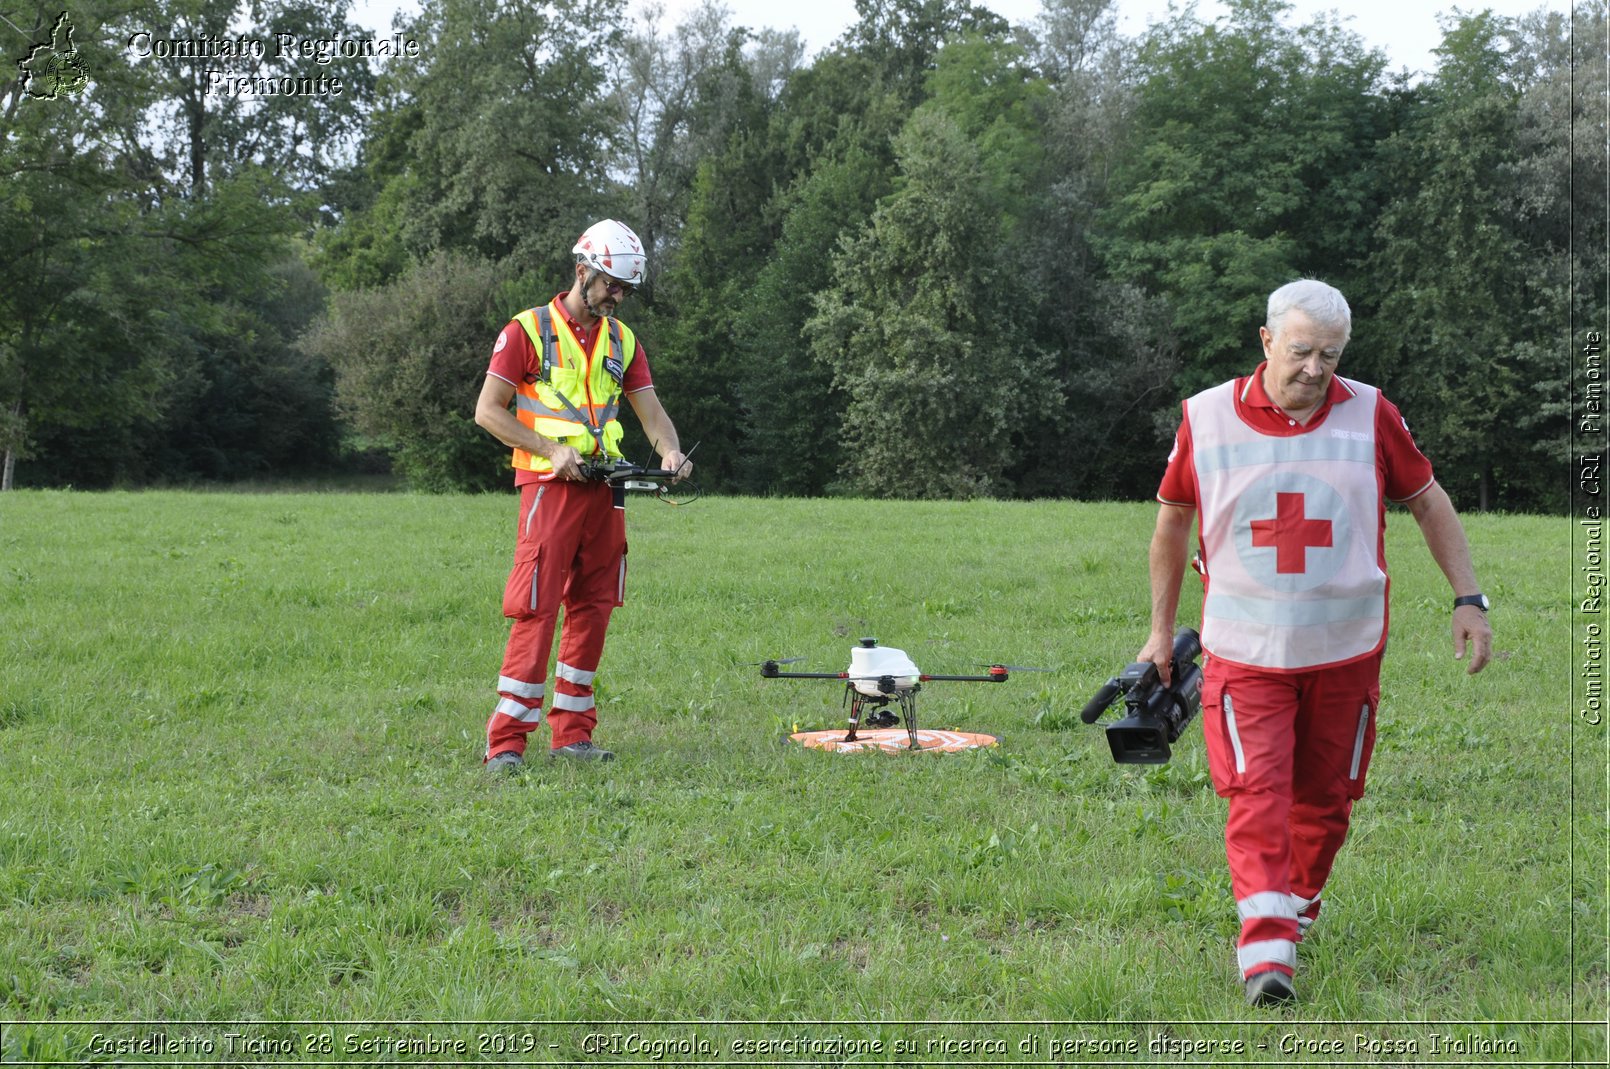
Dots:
{"x": 945, "y": 257}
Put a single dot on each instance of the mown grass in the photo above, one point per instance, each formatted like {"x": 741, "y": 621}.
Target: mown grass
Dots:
{"x": 240, "y": 741}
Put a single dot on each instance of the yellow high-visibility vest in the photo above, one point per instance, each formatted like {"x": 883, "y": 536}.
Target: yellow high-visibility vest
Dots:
{"x": 576, "y": 398}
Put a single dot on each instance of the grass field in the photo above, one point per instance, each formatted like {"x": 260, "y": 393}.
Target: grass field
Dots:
{"x": 239, "y": 757}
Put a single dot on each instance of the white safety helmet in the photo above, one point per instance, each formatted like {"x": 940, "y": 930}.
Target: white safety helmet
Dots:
{"x": 613, "y": 248}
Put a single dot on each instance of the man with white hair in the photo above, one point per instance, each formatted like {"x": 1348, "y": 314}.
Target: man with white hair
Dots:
{"x": 1290, "y": 469}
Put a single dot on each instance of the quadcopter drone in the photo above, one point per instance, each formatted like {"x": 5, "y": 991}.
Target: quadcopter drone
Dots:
{"x": 881, "y": 676}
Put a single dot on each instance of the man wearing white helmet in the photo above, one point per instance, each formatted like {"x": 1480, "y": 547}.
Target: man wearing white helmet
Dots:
{"x": 563, "y": 367}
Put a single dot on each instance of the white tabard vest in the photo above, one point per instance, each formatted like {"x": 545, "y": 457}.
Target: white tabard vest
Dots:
{"x": 1291, "y": 532}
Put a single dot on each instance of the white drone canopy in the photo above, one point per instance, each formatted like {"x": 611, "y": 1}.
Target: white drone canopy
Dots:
{"x": 869, "y": 665}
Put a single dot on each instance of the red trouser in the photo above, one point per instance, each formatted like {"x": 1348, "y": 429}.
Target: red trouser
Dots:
{"x": 1290, "y": 751}
{"x": 571, "y": 551}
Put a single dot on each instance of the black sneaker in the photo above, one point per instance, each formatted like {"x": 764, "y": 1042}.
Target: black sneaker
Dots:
{"x": 582, "y": 751}
{"x": 505, "y": 763}
{"x": 1271, "y": 988}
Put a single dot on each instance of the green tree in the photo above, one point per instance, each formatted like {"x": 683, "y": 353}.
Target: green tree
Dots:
{"x": 682, "y": 96}
{"x": 409, "y": 358}
{"x": 1467, "y": 301}
{"x": 248, "y": 402}
{"x": 1250, "y": 165}
{"x": 52, "y": 174}
{"x": 740, "y": 299}
{"x": 791, "y": 412}
{"x": 510, "y": 153}
{"x": 917, "y": 330}
{"x": 143, "y": 280}
{"x": 1113, "y": 346}
{"x": 902, "y": 39}
{"x": 725, "y": 241}
{"x": 213, "y": 117}
{"x": 860, "y": 91}
{"x": 366, "y": 243}
{"x": 1557, "y": 207}
{"x": 695, "y": 360}
{"x": 81, "y": 361}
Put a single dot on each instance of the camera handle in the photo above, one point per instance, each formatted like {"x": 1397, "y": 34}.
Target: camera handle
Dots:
{"x": 1104, "y": 697}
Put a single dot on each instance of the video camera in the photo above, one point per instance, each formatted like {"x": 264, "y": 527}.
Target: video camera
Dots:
{"x": 1155, "y": 715}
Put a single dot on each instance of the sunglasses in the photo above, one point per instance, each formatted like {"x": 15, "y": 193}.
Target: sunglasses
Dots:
{"x": 615, "y": 285}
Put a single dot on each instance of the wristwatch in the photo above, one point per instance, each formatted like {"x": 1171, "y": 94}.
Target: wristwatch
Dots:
{"x": 1478, "y": 600}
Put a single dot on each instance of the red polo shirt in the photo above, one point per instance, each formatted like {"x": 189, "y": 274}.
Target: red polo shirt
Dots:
{"x": 1405, "y": 471}
{"x": 514, "y": 360}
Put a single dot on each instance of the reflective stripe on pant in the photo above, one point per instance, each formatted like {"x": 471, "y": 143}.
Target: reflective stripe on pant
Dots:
{"x": 571, "y": 551}
{"x": 1290, "y": 751}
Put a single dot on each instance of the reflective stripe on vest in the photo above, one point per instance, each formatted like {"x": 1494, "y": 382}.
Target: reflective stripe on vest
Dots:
{"x": 1291, "y": 531}
{"x": 576, "y": 398}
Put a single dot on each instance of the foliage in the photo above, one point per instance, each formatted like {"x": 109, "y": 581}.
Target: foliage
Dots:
{"x": 409, "y": 359}
{"x": 150, "y": 293}
{"x": 724, "y": 242}
{"x": 683, "y": 96}
{"x": 1125, "y": 204}
{"x": 915, "y": 329}
{"x": 902, "y": 39}
{"x": 1460, "y": 273}
{"x": 368, "y": 247}
{"x": 252, "y": 404}
{"x": 56, "y": 172}
{"x": 1114, "y": 353}
{"x": 1249, "y": 167}
{"x": 508, "y": 152}
{"x": 791, "y": 412}
{"x": 199, "y": 130}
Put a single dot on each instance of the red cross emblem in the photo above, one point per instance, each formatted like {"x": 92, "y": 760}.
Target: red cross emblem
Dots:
{"x": 1291, "y": 533}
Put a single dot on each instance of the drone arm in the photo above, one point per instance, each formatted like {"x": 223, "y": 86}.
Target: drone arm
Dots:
{"x": 768, "y": 672}
{"x": 993, "y": 677}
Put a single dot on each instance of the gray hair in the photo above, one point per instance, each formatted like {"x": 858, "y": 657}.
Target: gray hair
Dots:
{"x": 1322, "y": 303}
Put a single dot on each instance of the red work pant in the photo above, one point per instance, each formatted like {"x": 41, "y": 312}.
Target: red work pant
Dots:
{"x": 1290, "y": 751}
{"x": 570, "y": 551}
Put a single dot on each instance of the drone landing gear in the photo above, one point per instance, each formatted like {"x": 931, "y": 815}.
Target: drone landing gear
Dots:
{"x": 884, "y": 717}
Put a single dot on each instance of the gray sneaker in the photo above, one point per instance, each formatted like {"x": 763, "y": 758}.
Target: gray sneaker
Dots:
{"x": 582, "y": 751}
{"x": 505, "y": 763}
{"x": 1272, "y": 988}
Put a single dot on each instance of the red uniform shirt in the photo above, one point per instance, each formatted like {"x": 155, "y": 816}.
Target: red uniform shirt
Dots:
{"x": 514, "y": 360}
{"x": 1405, "y": 471}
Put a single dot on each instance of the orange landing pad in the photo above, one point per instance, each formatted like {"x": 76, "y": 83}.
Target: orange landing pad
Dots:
{"x": 893, "y": 740}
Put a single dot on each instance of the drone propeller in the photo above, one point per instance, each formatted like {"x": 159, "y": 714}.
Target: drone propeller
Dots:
{"x": 758, "y": 664}
{"x": 1016, "y": 668}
